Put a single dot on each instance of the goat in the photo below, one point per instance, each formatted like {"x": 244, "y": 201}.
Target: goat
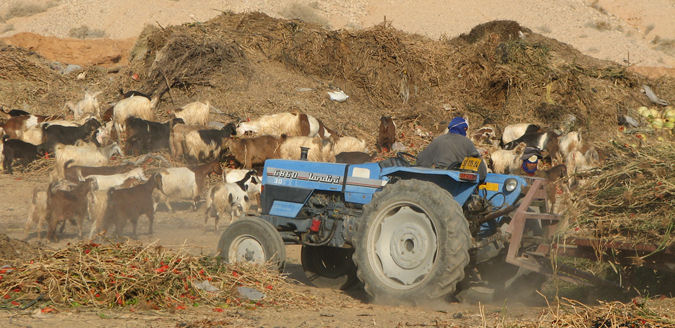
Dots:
{"x": 515, "y": 131}
{"x": 252, "y": 151}
{"x": 186, "y": 183}
{"x": 68, "y": 135}
{"x": 132, "y": 93}
{"x": 290, "y": 124}
{"x": 507, "y": 161}
{"x": 177, "y": 139}
{"x": 137, "y": 106}
{"x": 486, "y": 134}
{"x": 86, "y": 154}
{"x": 547, "y": 141}
{"x": 319, "y": 149}
{"x": 147, "y": 136}
{"x": 67, "y": 204}
{"x": 194, "y": 113}
{"x": 104, "y": 182}
{"x": 16, "y": 149}
{"x": 232, "y": 199}
{"x": 12, "y": 113}
{"x": 202, "y": 145}
{"x": 386, "y": 135}
{"x": 349, "y": 144}
{"x": 130, "y": 204}
{"x": 87, "y": 106}
{"x": 570, "y": 142}
{"x": 37, "y": 211}
{"x": 34, "y": 134}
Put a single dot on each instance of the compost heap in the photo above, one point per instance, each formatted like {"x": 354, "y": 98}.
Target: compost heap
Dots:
{"x": 632, "y": 196}
{"x": 143, "y": 276}
{"x": 499, "y": 72}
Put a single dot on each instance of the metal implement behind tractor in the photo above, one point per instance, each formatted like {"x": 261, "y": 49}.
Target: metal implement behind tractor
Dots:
{"x": 409, "y": 233}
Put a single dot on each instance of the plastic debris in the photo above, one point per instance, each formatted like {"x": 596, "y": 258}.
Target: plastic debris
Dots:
{"x": 338, "y": 96}
{"x": 652, "y": 96}
{"x": 304, "y": 89}
{"x": 628, "y": 121}
{"x": 397, "y": 147}
{"x": 205, "y": 285}
{"x": 250, "y": 293}
{"x": 71, "y": 68}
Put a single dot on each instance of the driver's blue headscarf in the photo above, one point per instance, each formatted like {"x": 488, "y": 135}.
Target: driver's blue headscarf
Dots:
{"x": 458, "y": 125}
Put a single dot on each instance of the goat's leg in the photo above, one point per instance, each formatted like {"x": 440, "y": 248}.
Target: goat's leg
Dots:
{"x": 151, "y": 218}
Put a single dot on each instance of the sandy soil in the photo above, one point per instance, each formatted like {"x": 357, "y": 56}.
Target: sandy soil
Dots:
{"x": 629, "y": 32}
{"x": 186, "y": 228}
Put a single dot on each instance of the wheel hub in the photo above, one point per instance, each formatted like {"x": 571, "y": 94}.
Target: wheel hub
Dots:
{"x": 406, "y": 245}
{"x": 246, "y": 249}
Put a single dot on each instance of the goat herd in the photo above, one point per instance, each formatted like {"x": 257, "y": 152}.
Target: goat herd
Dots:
{"x": 83, "y": 184}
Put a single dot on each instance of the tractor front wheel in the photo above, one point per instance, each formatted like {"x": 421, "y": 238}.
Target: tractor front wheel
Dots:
{"x": 252, "y": 240}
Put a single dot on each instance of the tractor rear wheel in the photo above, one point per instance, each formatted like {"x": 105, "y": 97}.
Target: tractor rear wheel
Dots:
{"x": 329, "y": 267}
{"x": 254, "y": 240}
{"x": 412, "y": 243}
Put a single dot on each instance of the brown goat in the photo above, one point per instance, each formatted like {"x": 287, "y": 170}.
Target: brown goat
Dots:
{"x": 386, "y": 135}
{"x": 202, "y": 173}
{"x": 251, "y": 151}
{"x": 67, "y": 204}
{"x": 130, "y": 203}
{"x": 71, "y": 171}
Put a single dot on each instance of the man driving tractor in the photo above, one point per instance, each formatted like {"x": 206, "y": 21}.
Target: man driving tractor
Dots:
{"x": 449, "y": 150}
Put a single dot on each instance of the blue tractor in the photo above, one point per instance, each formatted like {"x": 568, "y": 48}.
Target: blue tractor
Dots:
{"x": 408, "y": 233}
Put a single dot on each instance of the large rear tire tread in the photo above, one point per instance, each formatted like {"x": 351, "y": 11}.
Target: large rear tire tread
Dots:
{"x": 453, "y": 239}
{"x": 340, "y": 275}
{"x": 263, "y": 231}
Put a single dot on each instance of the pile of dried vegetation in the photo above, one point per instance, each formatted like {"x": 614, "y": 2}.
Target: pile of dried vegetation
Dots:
{"x": 500, "y": 71}
{"x": 638, "y": 313}
{"x": 141, "y": 276}
{"x": 631, "y": 197}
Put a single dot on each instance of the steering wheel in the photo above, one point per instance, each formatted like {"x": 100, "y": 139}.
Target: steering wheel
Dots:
{"x": 402, "y": 156}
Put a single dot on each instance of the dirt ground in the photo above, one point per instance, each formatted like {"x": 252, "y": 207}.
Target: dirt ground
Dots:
{"x": 185, "y": 228}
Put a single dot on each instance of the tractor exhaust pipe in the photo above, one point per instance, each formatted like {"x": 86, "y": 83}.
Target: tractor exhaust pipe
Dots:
{"x": 303, "y": 153}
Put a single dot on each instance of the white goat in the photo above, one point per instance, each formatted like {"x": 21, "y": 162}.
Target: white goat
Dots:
{"x": 88, "y": 105}
{"x": 194, "y": 113}
{"x": 177, "y": 138}
{"x": 105, "y": 182}
{"x": 349, "y": 144}
{"x": 84, "y": 154}
{"x": 507, "y": 161}
{"x": 178, "y": 183}
{"x": 290, "y": 124}
{"x": 515, "y": 131}
{"x": 320, "y": 150}
{"x": 138, "y": 106}
{"x": 38, "y": 211}
{"x": 232, "y": 199}
{"x": 569, "y": 143}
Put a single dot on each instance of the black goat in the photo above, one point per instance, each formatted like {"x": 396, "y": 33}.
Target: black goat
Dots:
{"x": 12, "y": 149}
{"x": 147, "y": 136}
{"x": 68, "y": 135}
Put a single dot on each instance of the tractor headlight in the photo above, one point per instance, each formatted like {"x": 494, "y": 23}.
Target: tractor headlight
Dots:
{"x": 510, "y": 184}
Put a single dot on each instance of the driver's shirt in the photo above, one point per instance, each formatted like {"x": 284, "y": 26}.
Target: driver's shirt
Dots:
{"x": 448, "y": 151}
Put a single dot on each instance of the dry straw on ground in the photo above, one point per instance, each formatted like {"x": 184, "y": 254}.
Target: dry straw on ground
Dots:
{"x": 632, "y": 196}
{"x": 130, "y": 274}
